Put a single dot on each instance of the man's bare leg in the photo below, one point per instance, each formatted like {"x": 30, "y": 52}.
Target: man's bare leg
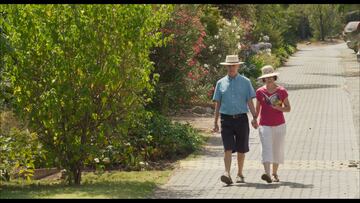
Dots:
{"x": 240, "y": 159}
{"x": 227, "y": 161}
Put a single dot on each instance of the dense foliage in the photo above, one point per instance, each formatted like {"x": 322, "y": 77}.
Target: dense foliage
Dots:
{"x": 91, "y": 85}
{"x": 82, "y": 74}
{"x": 19, "y": 148}
{"x": 176, "y": 62}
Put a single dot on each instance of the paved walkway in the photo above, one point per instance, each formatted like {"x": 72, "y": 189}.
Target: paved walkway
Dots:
{"x": 321, "y": 141}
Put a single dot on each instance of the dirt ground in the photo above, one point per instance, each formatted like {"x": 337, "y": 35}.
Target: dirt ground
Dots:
{"x": 319, "y": 43}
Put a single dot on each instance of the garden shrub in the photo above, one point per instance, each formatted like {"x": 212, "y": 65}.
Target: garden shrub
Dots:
{"x": 19, "y": 149}
{"x": 151, "y": 138}
{"x": 164, "y": 139}
{"x": 260, "y": 60}
{"x": 290, "y": 49}
{"x": 253, "y": 65}
{"x": 282, "y": 54}
{"x": 170, "y": 139}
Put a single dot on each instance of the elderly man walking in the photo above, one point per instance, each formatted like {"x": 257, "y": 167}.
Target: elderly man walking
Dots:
{"x": 233, "y": 98}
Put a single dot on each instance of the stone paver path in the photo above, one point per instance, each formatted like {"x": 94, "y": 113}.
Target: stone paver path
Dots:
{"x": 320, "y": 142}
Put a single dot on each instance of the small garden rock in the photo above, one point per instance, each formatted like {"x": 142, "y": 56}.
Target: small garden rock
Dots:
{"x": 199, "y": 110}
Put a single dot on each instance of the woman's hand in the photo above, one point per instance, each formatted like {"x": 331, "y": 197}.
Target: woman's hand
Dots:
{"x": 285, "y": 107}
{"x": 279, "y": 108}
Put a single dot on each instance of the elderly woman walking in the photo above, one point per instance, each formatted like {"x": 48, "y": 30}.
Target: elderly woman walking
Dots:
{"x": 272, "y": 101}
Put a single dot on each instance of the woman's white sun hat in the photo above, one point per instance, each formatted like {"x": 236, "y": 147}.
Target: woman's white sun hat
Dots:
{"x": 267, "y": 71}
{"x": 231, "y": 60}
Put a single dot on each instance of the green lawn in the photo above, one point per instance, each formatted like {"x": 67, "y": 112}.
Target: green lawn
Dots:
{"x": 117, "y": 184}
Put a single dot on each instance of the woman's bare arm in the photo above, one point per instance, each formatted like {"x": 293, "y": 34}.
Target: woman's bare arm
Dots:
{"x": 285, "y": 107}
{"x": 257, "y": 108}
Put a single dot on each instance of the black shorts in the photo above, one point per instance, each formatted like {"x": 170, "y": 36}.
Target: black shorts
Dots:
{"x": 235, "y": 133}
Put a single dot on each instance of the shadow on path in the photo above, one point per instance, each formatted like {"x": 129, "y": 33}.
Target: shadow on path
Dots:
{"x": 295, "y": 87}
{"x": 353, "y": 74}
{"x": 274, "y": 185}
{"x": 291, "y": 65}
{"x": 165, "y": 193}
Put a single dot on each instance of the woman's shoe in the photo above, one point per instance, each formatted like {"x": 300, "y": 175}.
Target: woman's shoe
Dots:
{"x": 275, "y": 178}
{"x": 266, "y": 177}
{"x": 240, "y": 179}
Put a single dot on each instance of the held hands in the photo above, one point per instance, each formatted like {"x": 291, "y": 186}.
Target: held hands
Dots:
{"x": 254, "y": 123}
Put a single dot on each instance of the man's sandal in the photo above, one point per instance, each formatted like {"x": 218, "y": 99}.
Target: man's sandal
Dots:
{"x": 226, "y": 179}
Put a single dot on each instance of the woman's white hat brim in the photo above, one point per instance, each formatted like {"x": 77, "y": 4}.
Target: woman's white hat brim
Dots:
{"x": 229, "y": 64}
{"x": 268, "y": 75}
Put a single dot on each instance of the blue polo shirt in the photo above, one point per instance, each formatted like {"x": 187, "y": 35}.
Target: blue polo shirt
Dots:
{"x": 233, "y": 94}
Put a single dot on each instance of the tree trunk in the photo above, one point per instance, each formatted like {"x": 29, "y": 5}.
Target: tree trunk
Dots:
{"x": 164, "y": 103}
{"x": 74, "y": 174}
{"x": 7, "y": 176}
{"x": 77, "y": 176}
{"x": 321, "y": 26}
{"x": 302, "y": 26}
{"x": 77, "y": 168}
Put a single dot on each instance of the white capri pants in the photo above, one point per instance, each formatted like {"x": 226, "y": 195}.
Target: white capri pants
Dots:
{"x": 272, "y": 143}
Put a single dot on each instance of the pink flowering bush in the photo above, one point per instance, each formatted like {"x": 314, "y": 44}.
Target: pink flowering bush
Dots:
{"x": 177, "y": 62}
{"x": 189, "y": 65}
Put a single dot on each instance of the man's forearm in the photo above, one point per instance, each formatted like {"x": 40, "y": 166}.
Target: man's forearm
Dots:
{"x": 252, "y": 108}
{"x": 217, "y": 111}
{"x": 216, "y": 116}
{"x": 257, "y": 109}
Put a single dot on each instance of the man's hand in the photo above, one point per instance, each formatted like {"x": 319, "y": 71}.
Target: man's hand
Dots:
{"x": 254, "y": 123}
{"x": 216, "y": 128}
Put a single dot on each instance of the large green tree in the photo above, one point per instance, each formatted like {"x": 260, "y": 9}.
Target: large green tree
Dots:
{"x": 5, "y": 49}
{"x": 325, "y": 19}
{"x": 81, "y": 73}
